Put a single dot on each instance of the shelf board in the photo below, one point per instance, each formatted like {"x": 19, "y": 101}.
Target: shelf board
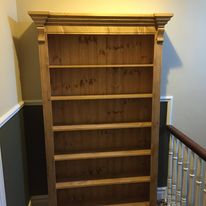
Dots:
{"x": 62, "y": 128}
{"x": 94, "y": 97}
{"x": 131, "y": 204}
{"x": 101, "y": 66}
{"x": 97, "y": 155}
{"x": 102, "y": 182}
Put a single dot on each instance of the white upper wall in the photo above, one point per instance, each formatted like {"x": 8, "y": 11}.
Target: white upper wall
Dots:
{"x": 10, "y": 8}
{"x": 10, "y": 89}
{"x": 184, "y": 57}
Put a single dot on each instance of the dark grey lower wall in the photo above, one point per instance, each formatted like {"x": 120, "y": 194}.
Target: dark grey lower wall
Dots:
{"x": 34, "y": 131}
{"x": 14, "y": 158}
{"x": 163, "y": 147}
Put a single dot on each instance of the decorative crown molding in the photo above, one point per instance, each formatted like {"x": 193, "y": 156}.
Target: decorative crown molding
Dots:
{"x": 39, "y": 18}
{"x": 49, "y": 18}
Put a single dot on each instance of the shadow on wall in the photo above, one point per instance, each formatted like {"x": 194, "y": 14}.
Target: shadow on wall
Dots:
{"x": 170, "y": 61}
{"x": 27, "y": 51}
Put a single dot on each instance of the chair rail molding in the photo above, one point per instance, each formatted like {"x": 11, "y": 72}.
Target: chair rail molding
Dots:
{"x": 8, "y": 115}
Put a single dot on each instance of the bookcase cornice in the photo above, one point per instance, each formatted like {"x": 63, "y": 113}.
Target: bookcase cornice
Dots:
{"x": 44, "y": 18}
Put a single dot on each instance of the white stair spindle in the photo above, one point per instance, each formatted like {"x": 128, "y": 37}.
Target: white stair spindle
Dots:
{"x": 191, "y": 189}
{"x": 198, "y": 182}
{"x": 174, "y": 171}
{"x": 179, "y": 174}
{"x": 185, "y": 178}
{"x": 169, "y": 180}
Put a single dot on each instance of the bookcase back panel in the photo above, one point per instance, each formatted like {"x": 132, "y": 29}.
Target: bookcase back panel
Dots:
{"x": 102, "y": 168}
{"x": 100, "y": 49}
{"x": 88, "y": 81}
{"x": 112, "y": 194}
{"x": 101, "y": 111}
{"x": 102, "y": 140}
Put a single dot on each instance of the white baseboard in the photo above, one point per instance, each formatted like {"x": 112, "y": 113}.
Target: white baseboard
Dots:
{"x": 40, "y": 200}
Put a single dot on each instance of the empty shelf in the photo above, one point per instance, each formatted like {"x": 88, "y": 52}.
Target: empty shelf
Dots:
{"x": 101, "y": 126}
{"x": 102, "y": 182}
{"x": 97, "y": 155}
{"x": 93, "y": 97}
{"x": 101, "y": 66}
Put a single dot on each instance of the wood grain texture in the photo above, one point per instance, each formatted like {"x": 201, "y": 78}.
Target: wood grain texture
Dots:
{"x": 100, "y": 79}
{"x": 101, "y": 49}
{"x": 115, "y": 194}
{"x": 102, "y": 140}
{"x": 47, "y": 110}
{"x": 94, "y": 97}
{"x": 103, "y": 30}
{"x": 97, "y": 155}
{"x": 101, "y": 182}
{"x": 104, "y": 81}
{"x": 102, "y": 168}
{"x": 101, "y": 111}
{"x": 149, "y": 66}
{"x": 155, "y": 120}
{"x": 101, "y": 126}
{"x": 111, "y": 30}
{"x": 44, "y": 18}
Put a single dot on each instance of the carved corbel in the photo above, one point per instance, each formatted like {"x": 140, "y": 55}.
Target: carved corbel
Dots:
{"x": 160, "y": 22}
{"x": 160, "y": 35}
{"x": 41, "y": 34}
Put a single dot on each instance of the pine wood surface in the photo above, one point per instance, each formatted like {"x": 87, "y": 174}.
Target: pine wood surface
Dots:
{"x": 101, "y": 126}
{"x": 96, "y": 155}
{"x": 101, "y": 182}
{"x": 93, "y": 97}
{"x": 102, "y": 140}
{"x": 100, "y": 77}
{"x": 102, "y": 168}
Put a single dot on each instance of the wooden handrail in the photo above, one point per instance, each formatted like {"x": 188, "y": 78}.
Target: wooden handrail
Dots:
{"x": 196, "y": 148}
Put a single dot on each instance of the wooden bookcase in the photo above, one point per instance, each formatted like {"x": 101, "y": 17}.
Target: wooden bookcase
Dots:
{"x": 100, "y": 79}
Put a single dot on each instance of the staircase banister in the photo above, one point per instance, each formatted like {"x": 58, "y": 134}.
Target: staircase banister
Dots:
{"x": 195, "y": 147}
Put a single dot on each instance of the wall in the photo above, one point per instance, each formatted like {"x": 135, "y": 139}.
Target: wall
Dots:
{"x": 12, "y": 142}
{"x": 14, "y": 158}
{"x": 10, "y": 89}
{"x": 183, "y": 60}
